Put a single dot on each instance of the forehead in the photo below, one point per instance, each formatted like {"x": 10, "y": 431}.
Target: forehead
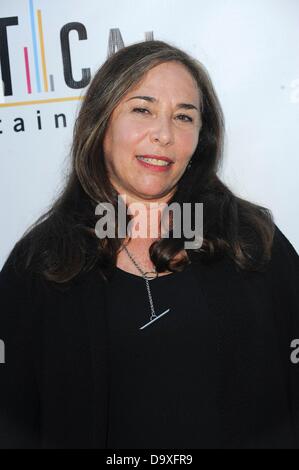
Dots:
{"x": 170, "y": 79}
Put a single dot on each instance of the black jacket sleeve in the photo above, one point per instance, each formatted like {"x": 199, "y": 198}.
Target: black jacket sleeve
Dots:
{"x": 19, "y": 397}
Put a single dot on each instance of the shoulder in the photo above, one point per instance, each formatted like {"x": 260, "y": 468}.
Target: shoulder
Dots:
{"x": 284, "y": 257}
{"x": 20, "y": 285}
{"x": 13, "y": 272}
{"x": 280, "y": 272}
{"x": 23, "y": 270}
{"x": 16, "y": 291}
{"x": 282, "y": 242}
{"x": 282, "y": 278}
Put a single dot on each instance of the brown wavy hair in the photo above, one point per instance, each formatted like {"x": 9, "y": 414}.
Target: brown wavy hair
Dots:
{"x": 62, "y": 243}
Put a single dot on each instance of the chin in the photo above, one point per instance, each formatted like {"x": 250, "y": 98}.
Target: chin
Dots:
{"x": 152, "y": 193}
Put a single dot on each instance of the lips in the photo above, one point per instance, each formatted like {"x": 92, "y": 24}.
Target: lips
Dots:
{"x": 157, "y": 157}
{"x": 152, "y": 164}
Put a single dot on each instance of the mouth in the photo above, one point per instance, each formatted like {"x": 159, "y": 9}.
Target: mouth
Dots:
{"x": 155, "y": 161}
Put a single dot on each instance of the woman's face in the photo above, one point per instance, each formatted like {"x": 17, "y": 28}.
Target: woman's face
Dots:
{"x": 158, "y": 125}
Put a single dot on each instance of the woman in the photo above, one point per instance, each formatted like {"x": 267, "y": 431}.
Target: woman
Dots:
{"x": 132, "y": 342}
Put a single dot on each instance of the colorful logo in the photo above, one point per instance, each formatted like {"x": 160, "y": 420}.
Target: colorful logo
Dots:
{"x": 38, "y": 78}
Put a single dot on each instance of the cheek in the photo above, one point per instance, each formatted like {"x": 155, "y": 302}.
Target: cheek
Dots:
{"x": 121, "y": 143}
{"x": 128, "y": 133}
{"x": 187, "y": 143}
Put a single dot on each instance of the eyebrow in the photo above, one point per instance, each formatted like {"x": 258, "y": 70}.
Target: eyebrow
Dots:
{"x": 151, "y": 99}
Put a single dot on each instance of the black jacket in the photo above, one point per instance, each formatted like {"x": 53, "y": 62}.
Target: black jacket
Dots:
{"x": 54, "y": 383}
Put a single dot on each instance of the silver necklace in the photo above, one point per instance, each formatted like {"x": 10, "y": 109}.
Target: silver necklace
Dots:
{"x": 148, "y": 276}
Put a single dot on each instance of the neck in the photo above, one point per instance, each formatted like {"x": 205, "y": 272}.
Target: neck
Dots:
{"x": 148, "y": 219}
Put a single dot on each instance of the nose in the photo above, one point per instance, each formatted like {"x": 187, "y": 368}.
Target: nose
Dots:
{"x": 162, "y": 132}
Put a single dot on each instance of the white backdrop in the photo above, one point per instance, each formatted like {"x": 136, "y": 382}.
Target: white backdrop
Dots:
{"x": 249, "y": 47}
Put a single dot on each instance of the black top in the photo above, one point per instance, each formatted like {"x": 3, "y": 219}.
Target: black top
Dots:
{"x": 161, "y": 393}
{"x": 214, "y": 372}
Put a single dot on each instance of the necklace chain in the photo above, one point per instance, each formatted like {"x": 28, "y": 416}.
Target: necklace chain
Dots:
{"x": 144, "y": 274}
{"x": 147, "y": 279}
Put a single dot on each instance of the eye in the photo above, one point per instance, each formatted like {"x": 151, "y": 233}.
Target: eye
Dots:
{"x": 139, "y": 110}
{"x": 184, "y": 116}
{"x": 189, "y": 119}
